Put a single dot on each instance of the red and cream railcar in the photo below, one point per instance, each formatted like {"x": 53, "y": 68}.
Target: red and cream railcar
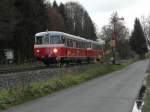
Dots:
{"x": 54, "y": 47}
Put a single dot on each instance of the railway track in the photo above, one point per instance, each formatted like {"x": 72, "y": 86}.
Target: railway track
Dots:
{"x": 6, "y": 71}
{"x": 38, "y": 67}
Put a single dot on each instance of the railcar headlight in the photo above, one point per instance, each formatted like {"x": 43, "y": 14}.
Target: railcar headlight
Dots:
{"x": 37, "y": 51}
{"x": 55, "y": 50}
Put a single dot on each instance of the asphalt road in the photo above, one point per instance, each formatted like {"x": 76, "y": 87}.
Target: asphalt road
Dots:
{"x": 115, "y": 92}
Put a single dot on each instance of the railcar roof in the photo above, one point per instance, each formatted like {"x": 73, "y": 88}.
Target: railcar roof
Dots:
{"x": 94, "y": 42}
{"x": 48, "y": 32}
{"x": 65, "y": 34}
{"x": 59, "y": 33}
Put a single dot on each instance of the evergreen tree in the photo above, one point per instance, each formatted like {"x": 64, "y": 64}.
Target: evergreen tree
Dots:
{"x": 57, "y": 22}
{"x": 55, "y": 5}
{"x": 8, "y": 21}
{"x": 80, "y": 23}
{"x": 137, "y": 40}
{"x": 32, "y": 18}
{"x": 64, "y": 16}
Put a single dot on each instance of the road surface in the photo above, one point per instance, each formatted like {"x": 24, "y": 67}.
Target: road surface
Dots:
{"x": 114, "y": 92}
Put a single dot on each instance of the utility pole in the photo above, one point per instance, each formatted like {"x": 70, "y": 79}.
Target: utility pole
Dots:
{"x": 113, "y": 41}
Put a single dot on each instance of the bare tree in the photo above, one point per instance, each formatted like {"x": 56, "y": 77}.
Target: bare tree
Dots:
{"x": 57, "y": 23}
{"x": 121, "y": 34}
{"x": 145, "y": 21}
{"x": 82, "y": 24}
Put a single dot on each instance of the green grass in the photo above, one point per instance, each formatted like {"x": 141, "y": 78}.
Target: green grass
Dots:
{"x": 147, "y": 106}
{"x": 147, "y": 100}
{"x": 23, "y": 93}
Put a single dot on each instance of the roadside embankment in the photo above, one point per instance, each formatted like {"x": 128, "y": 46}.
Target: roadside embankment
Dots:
{"x": 146, "y": 107}
{"x": 25, "y": 90}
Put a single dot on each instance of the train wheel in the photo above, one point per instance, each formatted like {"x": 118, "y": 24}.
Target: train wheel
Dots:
{"x": 78, "y": 61}
{"x": 98, "y": 59}
{"x": 67, "y": 62}
{"x": 61, "y": 63}
{"x": 95, "y": 61}
{"x": 46, "y": 62}
{"x": 88, "y": 60}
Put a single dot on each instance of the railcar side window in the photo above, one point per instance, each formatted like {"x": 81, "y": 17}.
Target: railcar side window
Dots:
{"x": 77, "y": 44}
{"x": 90, "y": 45}
{"x": 55, "y": 39}
{"x": 96, "y": 47}
{"x": 71, "y": 43}
{"x": 100, "y": 47}
{"x": 39, "y": 40}
{"x": 74, "y": 44}
{"x": 63, "y": 40}
{"x": 67, "y": 42}
{"x": 84, "y": 45}
{"x": 46, "y": 39}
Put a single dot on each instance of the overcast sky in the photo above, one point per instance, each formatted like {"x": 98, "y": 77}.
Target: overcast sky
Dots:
{"x": 101, "y": 10}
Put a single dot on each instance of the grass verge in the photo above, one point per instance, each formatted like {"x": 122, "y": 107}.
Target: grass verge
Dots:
{"x": 147, "y": 99}
{"x": 24, "y": 93}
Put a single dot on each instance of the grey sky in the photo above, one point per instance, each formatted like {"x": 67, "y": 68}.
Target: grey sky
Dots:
{"x": 101, "y": 10}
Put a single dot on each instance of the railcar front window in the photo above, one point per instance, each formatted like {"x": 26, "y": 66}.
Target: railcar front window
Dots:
{"x": 39, "y": 40}
{"x": 55, "y": 39}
